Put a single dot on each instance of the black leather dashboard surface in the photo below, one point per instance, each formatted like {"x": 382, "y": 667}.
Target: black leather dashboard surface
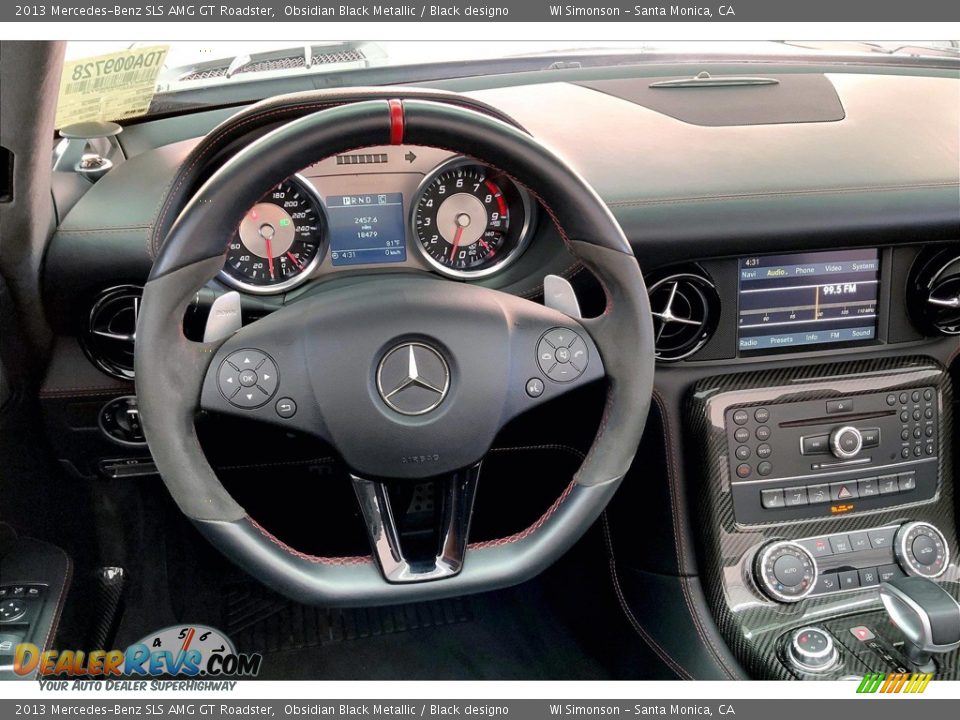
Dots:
{"x": 752, "y": 99}
{"x": 889, "y": 170}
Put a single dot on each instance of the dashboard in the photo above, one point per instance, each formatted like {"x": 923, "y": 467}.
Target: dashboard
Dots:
{"x": 396, "y": 206}
{"x": 803, "y": 276}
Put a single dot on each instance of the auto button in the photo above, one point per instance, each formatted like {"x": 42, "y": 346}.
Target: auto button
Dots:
{"x": 788, "y": 570}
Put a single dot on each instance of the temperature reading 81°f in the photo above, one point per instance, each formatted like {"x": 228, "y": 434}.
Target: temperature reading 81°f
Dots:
{"x": 366, "y": 229}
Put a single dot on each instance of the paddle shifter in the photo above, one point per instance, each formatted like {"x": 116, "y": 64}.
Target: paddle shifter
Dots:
{"x": 927, "y": 615}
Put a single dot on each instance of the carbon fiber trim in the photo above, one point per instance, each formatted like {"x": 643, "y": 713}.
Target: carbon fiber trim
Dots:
{"x": 752, "y": 624}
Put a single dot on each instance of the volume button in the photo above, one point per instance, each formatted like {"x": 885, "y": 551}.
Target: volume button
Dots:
{"x": 846, "y": 442}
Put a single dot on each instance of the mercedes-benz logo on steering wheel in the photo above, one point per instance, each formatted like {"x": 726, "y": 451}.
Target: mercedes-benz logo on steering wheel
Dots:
{"x": 413, "y": 378}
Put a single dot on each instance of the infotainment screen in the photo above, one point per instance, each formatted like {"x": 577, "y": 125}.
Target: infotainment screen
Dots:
{"x": 366, "y": 228}
{"x": 808, "y": 300}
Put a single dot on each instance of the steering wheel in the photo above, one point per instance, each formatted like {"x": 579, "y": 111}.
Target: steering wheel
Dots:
{"x": 408, "y": 376}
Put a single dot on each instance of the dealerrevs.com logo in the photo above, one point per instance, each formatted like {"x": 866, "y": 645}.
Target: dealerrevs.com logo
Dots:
{"x": 192, "y": 651}
{"x": 910, "y": 683}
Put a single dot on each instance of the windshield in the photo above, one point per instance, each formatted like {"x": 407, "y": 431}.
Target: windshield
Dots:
{"x": 118, "y": 81}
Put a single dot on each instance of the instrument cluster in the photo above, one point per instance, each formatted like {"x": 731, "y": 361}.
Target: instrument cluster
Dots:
{"x": 406, "y": 207}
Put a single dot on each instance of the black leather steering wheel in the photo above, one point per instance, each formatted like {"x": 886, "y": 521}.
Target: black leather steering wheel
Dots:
{"x": 464, "y": 353}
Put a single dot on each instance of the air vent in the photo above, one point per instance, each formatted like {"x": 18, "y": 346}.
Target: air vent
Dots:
{"x": 289, "y": 62}
{"x": 277, "y": 61}
{"x": 330, "y": 55}
{"x": 112, "y": 330}
{"x": 685, "y": 310}
{"x": 934, "y": 297}
{"x": 207, "y": 73}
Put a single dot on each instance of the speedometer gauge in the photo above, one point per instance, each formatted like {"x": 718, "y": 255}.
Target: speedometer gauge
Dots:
{"x": 279, "y": 241}
{"x": 470, "y": 220}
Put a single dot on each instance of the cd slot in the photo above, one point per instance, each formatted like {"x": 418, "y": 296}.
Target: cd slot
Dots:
{"x": 832, "y": 419}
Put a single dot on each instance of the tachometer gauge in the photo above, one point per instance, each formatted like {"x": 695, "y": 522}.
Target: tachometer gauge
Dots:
{"x": 279, "y": 241}
{"x": 469, "y": 220}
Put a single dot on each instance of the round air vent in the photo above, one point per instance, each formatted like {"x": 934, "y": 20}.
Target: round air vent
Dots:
{"x": 685, "y": 309}
{"x": 934, "y": 296}
{"x": 112, "y": 329}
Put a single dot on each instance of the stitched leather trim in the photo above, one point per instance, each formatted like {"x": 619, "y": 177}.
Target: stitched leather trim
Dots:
{"x": 954, "y": 356}
{"x": 67, "y": 393}
{"x": 130, "y": 229}
{"x": 527, "y": 532}
{"x": 679, "y": 527}
{"x": 779, "y": 194}
{"x": 316, "y": 559}
{"x": 628, "y": 612}
{"x": 58, "y": 608}
{"x": 326, "y": 460}
{"x": 486, "y": 544}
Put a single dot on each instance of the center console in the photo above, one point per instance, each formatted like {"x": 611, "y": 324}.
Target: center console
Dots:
{"x": 826, "y": 486}
{"x": 826, "y": 457}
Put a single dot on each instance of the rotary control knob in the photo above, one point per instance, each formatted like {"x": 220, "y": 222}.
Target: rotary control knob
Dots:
{"x": 922, "y": 549}
{"x": 812, "y": 650}
{"x": 846, "y": 442}
{"x": 785, "y": 571}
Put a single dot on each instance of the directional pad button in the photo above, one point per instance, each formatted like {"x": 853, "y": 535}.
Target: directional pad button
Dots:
{"x": 248, "y": 378}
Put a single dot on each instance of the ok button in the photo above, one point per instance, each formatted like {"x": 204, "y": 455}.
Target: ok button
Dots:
{"x": 788, "y": 570}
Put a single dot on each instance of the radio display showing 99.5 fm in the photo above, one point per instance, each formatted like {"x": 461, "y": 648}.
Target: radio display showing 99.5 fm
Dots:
{"x": 366, "y": 229}
{"x": 808, "y": 299}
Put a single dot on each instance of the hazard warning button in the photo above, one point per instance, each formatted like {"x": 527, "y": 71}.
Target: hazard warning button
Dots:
{"x": 844, "y": 491}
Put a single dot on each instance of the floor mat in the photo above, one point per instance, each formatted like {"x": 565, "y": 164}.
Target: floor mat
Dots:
{"x": 256, "y": 618}
{"x": 509, "y": 634}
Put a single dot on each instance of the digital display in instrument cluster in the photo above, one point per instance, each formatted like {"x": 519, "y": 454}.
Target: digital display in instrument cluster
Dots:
{"x": 808, "y": 299}
{"x": 366, "y": 229}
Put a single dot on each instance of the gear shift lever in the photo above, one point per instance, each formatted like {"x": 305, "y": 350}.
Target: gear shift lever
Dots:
{"x": 927, "y": 615}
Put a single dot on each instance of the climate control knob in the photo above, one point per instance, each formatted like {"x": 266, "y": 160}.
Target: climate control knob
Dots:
{"x": 785, "y": 571}
{"x": 921, "y": 549}
{"x": 846, "y": 442}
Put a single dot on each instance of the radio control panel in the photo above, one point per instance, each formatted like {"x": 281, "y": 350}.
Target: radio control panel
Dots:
{"x": 818, "y": 458}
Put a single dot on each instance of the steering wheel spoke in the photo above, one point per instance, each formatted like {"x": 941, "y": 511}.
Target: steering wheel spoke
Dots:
{"x": 441, "y": 554}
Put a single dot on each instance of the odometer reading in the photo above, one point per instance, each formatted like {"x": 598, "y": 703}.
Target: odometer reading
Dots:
{"x": 468, "y": 220}
{"x": 279, "y": 240}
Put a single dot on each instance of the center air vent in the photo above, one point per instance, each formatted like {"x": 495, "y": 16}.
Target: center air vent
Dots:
{"x": 934, "y": 296}
{"x": 112, "y": 329}
{"x": 685, "y": 309}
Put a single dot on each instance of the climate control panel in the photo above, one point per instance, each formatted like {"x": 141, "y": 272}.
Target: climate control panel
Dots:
{"x": 824, "y": 457}
{"x": 790, "y": 570}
